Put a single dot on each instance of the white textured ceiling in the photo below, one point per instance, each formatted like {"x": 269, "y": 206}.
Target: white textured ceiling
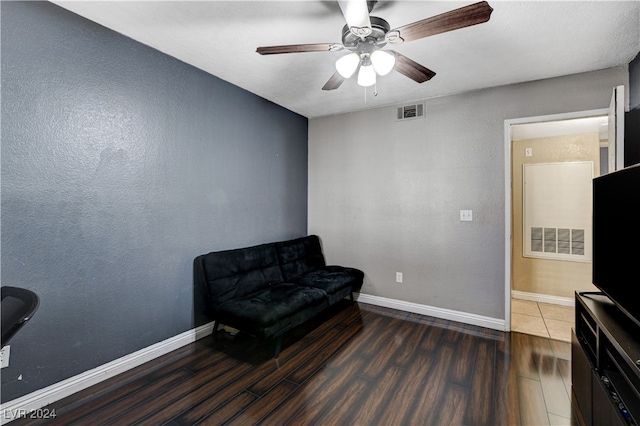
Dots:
{"x": 523, "y": 41}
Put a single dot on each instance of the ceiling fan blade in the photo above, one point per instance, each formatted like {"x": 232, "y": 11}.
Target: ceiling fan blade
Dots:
{"x": 459, "y": 18}
{"x": 334, "y": 82}
{"x": 297, "y": 48}
{"x": 411, "y": 69}
{"x": 356, "y": 14}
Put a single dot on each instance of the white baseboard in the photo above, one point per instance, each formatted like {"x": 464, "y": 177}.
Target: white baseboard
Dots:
{"x": 543, "y": 298}
{"x": 464, "y": 317}
{"x": 43, "y": 397}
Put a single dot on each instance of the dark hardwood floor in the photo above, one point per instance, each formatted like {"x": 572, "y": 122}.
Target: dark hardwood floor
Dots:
{"x": 358, "y": 365}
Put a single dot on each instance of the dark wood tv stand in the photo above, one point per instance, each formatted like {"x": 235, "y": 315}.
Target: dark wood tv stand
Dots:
{"x": 605, "y": 362}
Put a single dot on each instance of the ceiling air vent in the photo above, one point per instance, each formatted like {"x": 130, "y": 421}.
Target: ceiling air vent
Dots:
{"x": 409, "y": 112}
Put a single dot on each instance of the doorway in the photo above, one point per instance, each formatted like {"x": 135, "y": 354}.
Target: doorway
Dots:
{"x": 548, "y": 140}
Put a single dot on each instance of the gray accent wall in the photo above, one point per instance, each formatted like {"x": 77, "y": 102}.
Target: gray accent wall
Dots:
{"x": 120, "y": 165}
{"x": 386, "y": 196}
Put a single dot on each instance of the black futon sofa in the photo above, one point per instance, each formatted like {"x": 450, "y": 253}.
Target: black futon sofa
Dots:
{"x": 269, "y": 289}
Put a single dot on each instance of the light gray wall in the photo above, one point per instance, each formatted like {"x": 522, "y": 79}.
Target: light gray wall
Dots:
{"x": 385, "y": 196}
{"x": 119, "y": 166}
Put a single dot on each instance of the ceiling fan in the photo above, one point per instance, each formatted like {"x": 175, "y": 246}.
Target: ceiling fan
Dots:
{"x": 366, "y": 35}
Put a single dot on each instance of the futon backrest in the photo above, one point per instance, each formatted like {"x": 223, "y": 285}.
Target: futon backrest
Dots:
{"x": 299, "y": 256}
{"x": 230, "y": 274}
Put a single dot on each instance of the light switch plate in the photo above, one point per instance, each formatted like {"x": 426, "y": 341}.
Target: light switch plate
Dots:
{"x": 466, "y": 215}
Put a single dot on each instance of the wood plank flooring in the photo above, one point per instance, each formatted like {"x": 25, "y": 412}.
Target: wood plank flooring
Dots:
{"x": 357, "y": 365}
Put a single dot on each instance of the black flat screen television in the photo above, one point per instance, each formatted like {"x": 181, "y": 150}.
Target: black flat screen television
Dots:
{"x": 616, "y": 238}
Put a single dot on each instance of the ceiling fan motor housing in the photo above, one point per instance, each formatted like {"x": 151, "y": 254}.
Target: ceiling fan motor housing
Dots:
{"x": 379, "y": 28}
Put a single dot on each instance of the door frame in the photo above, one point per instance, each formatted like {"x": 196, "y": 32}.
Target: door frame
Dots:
{"x": 508, "y": 184}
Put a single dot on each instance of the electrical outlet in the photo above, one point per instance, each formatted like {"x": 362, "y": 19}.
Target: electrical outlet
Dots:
{"x": 4, "y": 356}
{"x": 398, "y": 277}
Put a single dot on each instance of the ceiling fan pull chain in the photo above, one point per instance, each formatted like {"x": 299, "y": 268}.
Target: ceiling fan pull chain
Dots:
{"x": 375, "y": 89}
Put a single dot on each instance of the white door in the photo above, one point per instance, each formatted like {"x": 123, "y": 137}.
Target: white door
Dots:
{"x": 616, "y": 130}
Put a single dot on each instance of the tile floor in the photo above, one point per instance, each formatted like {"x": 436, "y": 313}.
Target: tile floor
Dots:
{"x": 542, "y": 319}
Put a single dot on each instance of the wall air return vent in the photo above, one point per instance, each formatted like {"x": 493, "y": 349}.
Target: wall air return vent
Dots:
{"x": 410, "y": 112}
{"x": 556, "y": 241}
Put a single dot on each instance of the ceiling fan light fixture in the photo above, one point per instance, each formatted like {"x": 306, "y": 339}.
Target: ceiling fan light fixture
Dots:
{"x": 348, "y": 64}
{"x": 366, "y": 76}
{"x": 383, "y": 62}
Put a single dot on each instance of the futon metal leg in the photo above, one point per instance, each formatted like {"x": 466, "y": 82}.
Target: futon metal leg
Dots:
{"x": 214, "y": 333}
{"x": 278, "y": 346}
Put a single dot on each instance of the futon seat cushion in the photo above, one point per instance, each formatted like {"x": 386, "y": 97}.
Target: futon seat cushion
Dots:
{"x": 333, "y": 279}
{"x": 265, "y": 308}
